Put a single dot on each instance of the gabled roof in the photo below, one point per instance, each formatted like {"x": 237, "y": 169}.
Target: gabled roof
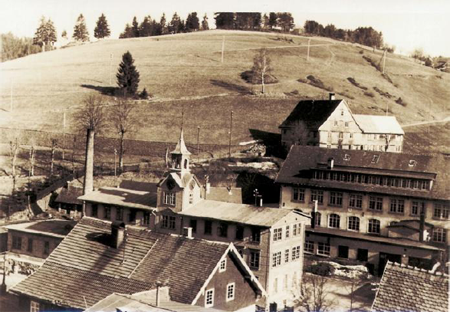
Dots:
{"x": 314, "y": 113}
{"x": 181, "y": 146}
{"x": 378, "y": 124}
{"x": 225, "y": 194}
{"x": 138, "y": 186}
{"x": 238, "y": 213}
{"x": 55, "y": 228}
{"x": 302, "y": 160}
{"x": 122, "y": 197}
{"x": 404, "y": 288}
{"x": 85, "y": 259}
{"x": 70, "y": 195}
{"x": 182, "y": 182}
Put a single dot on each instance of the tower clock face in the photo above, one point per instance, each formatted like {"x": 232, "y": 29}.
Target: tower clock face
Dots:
{"x": 170, "y": 184}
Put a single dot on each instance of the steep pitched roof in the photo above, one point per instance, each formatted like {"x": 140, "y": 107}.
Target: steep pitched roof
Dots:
{"x": 85, "y": 258}
{"x": 301, "y": 160}
{"x": 378, "y": 124}
{"x": 410, "y": 289}
{"x": 122, "y": 197}
{"x": 70, "y": 196}
{"x": 181, "y": 146}
{"x": 314, "y": 113}
{"x": 239, "y": 213}
{"x": 56, "y": 228}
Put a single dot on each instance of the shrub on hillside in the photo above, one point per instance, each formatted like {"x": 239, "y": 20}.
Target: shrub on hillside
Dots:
{"x": 356, "y": 84}
{"x": 249, "y": 76}
{"x": 369, "y": 94}
{"x": 318, "y": 83}
{"x": 401, "y": 102}
{"x": 382, "y": 93}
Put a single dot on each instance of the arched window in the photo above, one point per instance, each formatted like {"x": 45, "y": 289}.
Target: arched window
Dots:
{"x": 353, "y": 223}
{"x": 334, "y": 221}
{"x": 439, "y": 235}
{"x": 185, "y": 164}
{"x": 374, "y": 226}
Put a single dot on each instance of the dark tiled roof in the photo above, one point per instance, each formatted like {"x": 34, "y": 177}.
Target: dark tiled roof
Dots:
{"x": 70, "y": 196}
{"x": 297, "y": 169}
{"x": 59, "y": 228}
{"x": 122, "y": 197}
{"x": 314, "y": 113}
{"x": 409, "y": 289}
{"x": 223, "y": 194}
{"x": 139, "y": 186}
{"x": 85, "y": 266}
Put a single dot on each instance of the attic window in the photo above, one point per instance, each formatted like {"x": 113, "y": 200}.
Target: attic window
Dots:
{"x": 412, "y": 163}
{"x": 347, "y": 157}
{"x": 375, "y": 159}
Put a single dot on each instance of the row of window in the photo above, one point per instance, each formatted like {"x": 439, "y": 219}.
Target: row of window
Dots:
{"x": 396, "y": 205}
{"x": 131, "y": 217}
{"x": 324, "y": 249}
{"x": 373, "y": 227}
{"x": 278, "y": 232}
{"x": 289, "y": 255}
{"x": 17, "y": 245}
{"x": 285, "y": 282}
{"x": 378, "y": 180}
{"x": 229, "y": 295}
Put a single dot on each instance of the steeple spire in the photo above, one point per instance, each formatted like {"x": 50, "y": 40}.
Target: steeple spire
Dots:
{"x": 180, "y": 156}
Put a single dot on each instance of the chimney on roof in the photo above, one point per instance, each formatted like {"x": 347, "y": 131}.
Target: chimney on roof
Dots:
{"x": 187, "y": 232}
{"x": 118, "y": 233}
{"x": 332, "y": 96}
{"x": 330, "y": 163}
{"x": 88, "y": 185}
{"x": 158, "y": 295}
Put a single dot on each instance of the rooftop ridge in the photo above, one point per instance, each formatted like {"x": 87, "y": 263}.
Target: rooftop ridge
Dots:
{"x": 414, "y": 268}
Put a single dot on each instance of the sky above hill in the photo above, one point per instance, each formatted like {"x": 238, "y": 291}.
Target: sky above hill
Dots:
{"x": 406, "y": 24}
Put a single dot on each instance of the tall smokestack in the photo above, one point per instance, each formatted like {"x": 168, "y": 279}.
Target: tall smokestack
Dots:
{"x": 422, "y": 225}
{"x": 89, "y": 164}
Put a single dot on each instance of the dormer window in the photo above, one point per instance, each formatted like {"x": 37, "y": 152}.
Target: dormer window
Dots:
{"x": 412, "y": 163}
{"x": 169, "y": 198}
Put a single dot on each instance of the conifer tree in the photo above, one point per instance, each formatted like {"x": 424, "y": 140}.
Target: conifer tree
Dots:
{"x": 80, "y": 32}
{"x": 163, "y": 24}
{"x": 135, "y": 28}
{"x": 145, "y": 29}
{"x": 174, "y": 24}
{"x": 205, "y": 25}
{"x": 192, "y": 23}
{"x": 45, "y": 34}
{"x": 127, "y": 33}
{"x": 127, "y": 76}
{"x": 102, "y": 29}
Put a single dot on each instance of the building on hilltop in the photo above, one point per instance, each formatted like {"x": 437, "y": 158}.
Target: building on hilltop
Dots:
{"x": 369, "y": 204}
{"x": 99, "y": 258}
{"x": 331, "y": 124}
{"x": 405, "y": 288}
{"x": 270, "y": 240}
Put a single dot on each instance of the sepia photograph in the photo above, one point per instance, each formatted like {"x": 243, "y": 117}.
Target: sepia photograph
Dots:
{"x": 247, "y": 156}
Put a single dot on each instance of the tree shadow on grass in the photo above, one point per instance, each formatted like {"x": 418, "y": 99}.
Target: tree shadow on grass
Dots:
{"x": 231, "y": 86}
{"x": 271, "y": 140}
{"x": 103, "y": 90}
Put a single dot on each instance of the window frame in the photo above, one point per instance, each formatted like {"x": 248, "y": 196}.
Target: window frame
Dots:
{"x": 223, "y": 265}
{"x": 298, "y": 195}
{"x": 233, "y": 292}
{"x": 16, "y": 242}
{"x": 355, "y": 201}
{"x": 209, "y": 302}
{"x": 277, "y": 234}
{"x": 370, "y": 225}
{"x": 355, "y": 221}
{"x": 334, "y": 219}
{"x": 207, "y": 227}
{"x": 336, "y": 199}
{"x": 308, "y": 245}
{"x": 276, "y": 259}
{"x": 254, "y": 259}
{"x": 222, "y": 230}
{"x": 35, "y": 306}
{"x": 439, "y": 235}
{"x": 325, "y": 250}
{"x": 169, "y": 198}
{"x": 317, "y": 195}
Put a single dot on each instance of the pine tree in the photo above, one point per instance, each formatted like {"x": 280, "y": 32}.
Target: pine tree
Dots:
{"x": 80, "y": 32}
{"x": 127, "y": 76}
{"x": 163, "y": 25}
{"x": 192, "y": 23}
{"x": 51, "y": 32}
{"x": 205, "y": 25}
{"x": 273, "y": 17}
{"x": 174, "y": 24}
{"x": 102, "y": 29}
{"x": 145, "y": 29}
{"x": 45, "y": 34}
{"x": 127, "y": 33}
{"x": 135, "y": 28}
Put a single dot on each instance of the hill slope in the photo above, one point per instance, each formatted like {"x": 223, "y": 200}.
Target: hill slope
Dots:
{"x": 184, "y": 73}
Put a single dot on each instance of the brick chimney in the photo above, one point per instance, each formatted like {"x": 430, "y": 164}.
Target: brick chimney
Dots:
{"x": 117, "y": 234}
{"x": 88, "y": 185}
{"x": 332, "y": 96}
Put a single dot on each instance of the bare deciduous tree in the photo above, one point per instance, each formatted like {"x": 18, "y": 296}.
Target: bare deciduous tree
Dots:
{"x": 91, "y": 115}
{"x": 123, "y": 122}
{"x": 13, "y": 150}
{"x": 261, "y": 68}
{"x": 313, "y": 294}
{"x": 52, "y": 156}
{"x": 32, "y": 159}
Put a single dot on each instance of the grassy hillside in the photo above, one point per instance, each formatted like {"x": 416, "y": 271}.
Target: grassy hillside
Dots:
{"x": 184, "y": 73}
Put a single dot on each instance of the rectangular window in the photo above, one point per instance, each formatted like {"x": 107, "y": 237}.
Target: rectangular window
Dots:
{"x": 276, "y": 259}
{"x": 439, "y": 235}
{"x": 107, "y": 213}
{"x": 417, "y": 207}
{"x": 441, "y": 211}
{"x": 34, "y": 306}
{"x": 230, "y": 291}
{"x": 17, "y": 242}
{"x": 168, "y": 222}
{"x": 362, "y": 255}
{"x": 169, "y": 198}
{"x": 343, "y": 252}
{"x": 119, "y": 214}
{"x": 295, "y": 253}
{"x": 239, "y": 232}
{"x": 355, "y": 201}
{"x": 254, "y": 259}
{"x": 286, "y": 256}
{"x": 317, "y": 195}
{"x": 376, "y": 203}
{"x": 309, "y": 246}
{"x": 287, "y": 231}
{"x": 256, "y": 234}
{"x": 193, "y": 225}
{"x": 222, "y": 229}
{"x": 209, "y": 298}
{"x": 277, "y": 234}
{"x": 323, "y": 249}
{"x": 299, "y": 194}
{"x": 30, "y": 244}
{"x": 223, "y": 266}
{"x": 132, "y": 216}
{"x": 336, "y": 198}
{"x": 146, "y": 220}
{"x": 208, "y": 227}
{"x": 46, "y": 247}
{"x": 94, "y": 210}
{"x": 397, "y": 205}
{"x": 294, "y": 230}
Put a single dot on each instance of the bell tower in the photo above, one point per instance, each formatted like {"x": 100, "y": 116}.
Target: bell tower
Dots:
{"x": 180, "y": 157}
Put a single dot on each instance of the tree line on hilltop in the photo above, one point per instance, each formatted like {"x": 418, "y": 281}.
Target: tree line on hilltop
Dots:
{"x": 281, "y": 21}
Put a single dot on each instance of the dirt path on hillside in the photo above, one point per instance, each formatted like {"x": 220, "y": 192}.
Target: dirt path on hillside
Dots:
{"x": 447, "y": 119}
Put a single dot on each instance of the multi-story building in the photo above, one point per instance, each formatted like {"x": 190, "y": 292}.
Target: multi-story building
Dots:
{"x": 269, "y": 239}
{"x": 370, "y": 203}
{"x": 331, "y": 124}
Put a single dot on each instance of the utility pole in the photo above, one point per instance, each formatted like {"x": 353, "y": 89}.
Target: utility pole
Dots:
{"x": 231, "y": 129}
{"x": 198, "y": 141}
{"x": 223, "y": 47}
{"x": 110, "y": 68}
{"x": 115, "y": 163}
{"x": 11, "y": 97}
{"x": 307, "y": 55}
{"x": 384, "y": 60}
{"x": 64, "y": 135}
